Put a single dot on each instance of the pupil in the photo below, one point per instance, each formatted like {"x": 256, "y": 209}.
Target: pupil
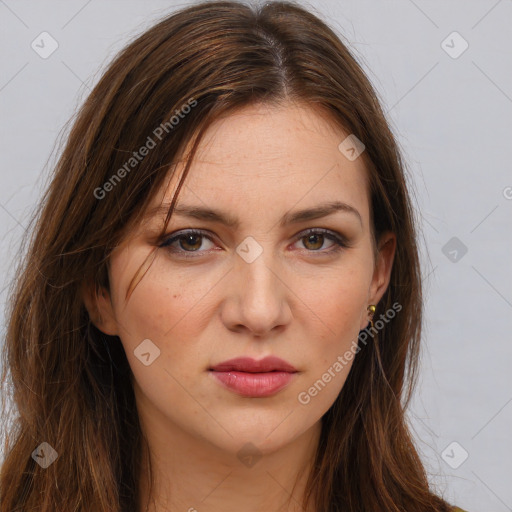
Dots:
{"x": 188, "y": 238}
{"x": 311, "y": 239}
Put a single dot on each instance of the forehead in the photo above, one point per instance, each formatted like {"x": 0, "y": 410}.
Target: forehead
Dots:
{"x": 265, "y": 157}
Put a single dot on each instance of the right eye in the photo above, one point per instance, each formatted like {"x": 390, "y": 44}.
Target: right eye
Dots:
{"x": 187, "y": 241}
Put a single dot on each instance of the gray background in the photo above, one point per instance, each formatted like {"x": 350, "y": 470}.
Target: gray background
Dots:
{"x": 453, "y": 120}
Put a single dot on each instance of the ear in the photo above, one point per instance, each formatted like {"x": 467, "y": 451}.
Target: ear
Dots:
{"x": 99, "y": 306}
{"x": 384, "y": 263}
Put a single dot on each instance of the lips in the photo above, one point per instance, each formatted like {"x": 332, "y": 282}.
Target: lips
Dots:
{"x": 254, "y": 379}
{"x": 249, "y": 365}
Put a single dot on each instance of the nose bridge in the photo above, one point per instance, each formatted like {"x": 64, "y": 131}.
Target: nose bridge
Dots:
{"x": 260, "y": 297}
{"x": 258, "y": 275}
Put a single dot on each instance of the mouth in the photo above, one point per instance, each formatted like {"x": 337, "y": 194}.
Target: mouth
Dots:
{"x": 255, "y": 379}
{"x": 249, "y": 365}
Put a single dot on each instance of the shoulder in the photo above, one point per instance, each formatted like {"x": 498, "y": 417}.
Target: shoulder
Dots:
{"x": 457, "y": 509}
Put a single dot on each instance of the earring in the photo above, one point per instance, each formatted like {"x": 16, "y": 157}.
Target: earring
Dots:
{"x": 371, "y": 312}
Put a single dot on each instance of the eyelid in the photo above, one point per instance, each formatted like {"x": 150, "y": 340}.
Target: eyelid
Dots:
{"x": 176, "y": 235}
{"x": 340, "y": 241}
{"x": 323, "y": 231}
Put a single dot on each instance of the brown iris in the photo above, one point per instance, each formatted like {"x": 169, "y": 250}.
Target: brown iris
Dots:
{"x": 191, "y": 246}
{"x": 315, "y": 239}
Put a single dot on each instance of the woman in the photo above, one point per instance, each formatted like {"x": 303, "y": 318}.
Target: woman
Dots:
{"x": 221, "y": 304}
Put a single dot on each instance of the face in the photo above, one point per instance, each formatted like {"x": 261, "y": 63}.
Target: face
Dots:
{"x": 279, "y": 280}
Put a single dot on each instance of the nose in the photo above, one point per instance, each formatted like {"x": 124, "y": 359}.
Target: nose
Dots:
{"x": 256, "y": 298}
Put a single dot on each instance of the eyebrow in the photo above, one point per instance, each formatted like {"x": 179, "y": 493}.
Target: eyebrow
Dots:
{"x": 212, "y": 215}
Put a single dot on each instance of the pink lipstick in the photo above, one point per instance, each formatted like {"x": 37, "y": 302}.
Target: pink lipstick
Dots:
{"x": 255, "y": 379}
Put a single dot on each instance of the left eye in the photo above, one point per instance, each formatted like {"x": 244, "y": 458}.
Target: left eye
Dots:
{"x": 313, "y": 240}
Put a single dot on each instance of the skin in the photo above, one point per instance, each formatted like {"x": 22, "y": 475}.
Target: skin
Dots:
{"x": 297, "y": 300}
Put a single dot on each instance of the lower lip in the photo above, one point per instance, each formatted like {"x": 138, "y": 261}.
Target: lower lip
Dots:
{"x": 255, "y": 385}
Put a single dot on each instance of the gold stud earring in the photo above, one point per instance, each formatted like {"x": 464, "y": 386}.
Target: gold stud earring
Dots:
{"x": 371, "y": 312}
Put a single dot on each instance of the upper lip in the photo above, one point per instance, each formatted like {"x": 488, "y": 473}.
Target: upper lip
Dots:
{"x": 247, "y": 364}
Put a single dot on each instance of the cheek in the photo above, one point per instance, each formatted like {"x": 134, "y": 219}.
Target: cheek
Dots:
{"x": 338, "y": 302}
{"x": 164, "y": 314}
{"x": 163, "y": 302}
{"x": 169, "y": 310}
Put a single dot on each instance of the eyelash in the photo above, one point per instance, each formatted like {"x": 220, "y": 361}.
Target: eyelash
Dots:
{"x": 339, "y": 241}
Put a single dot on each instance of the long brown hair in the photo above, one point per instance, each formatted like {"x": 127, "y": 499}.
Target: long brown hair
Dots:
{"x": 71, "y": 384}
